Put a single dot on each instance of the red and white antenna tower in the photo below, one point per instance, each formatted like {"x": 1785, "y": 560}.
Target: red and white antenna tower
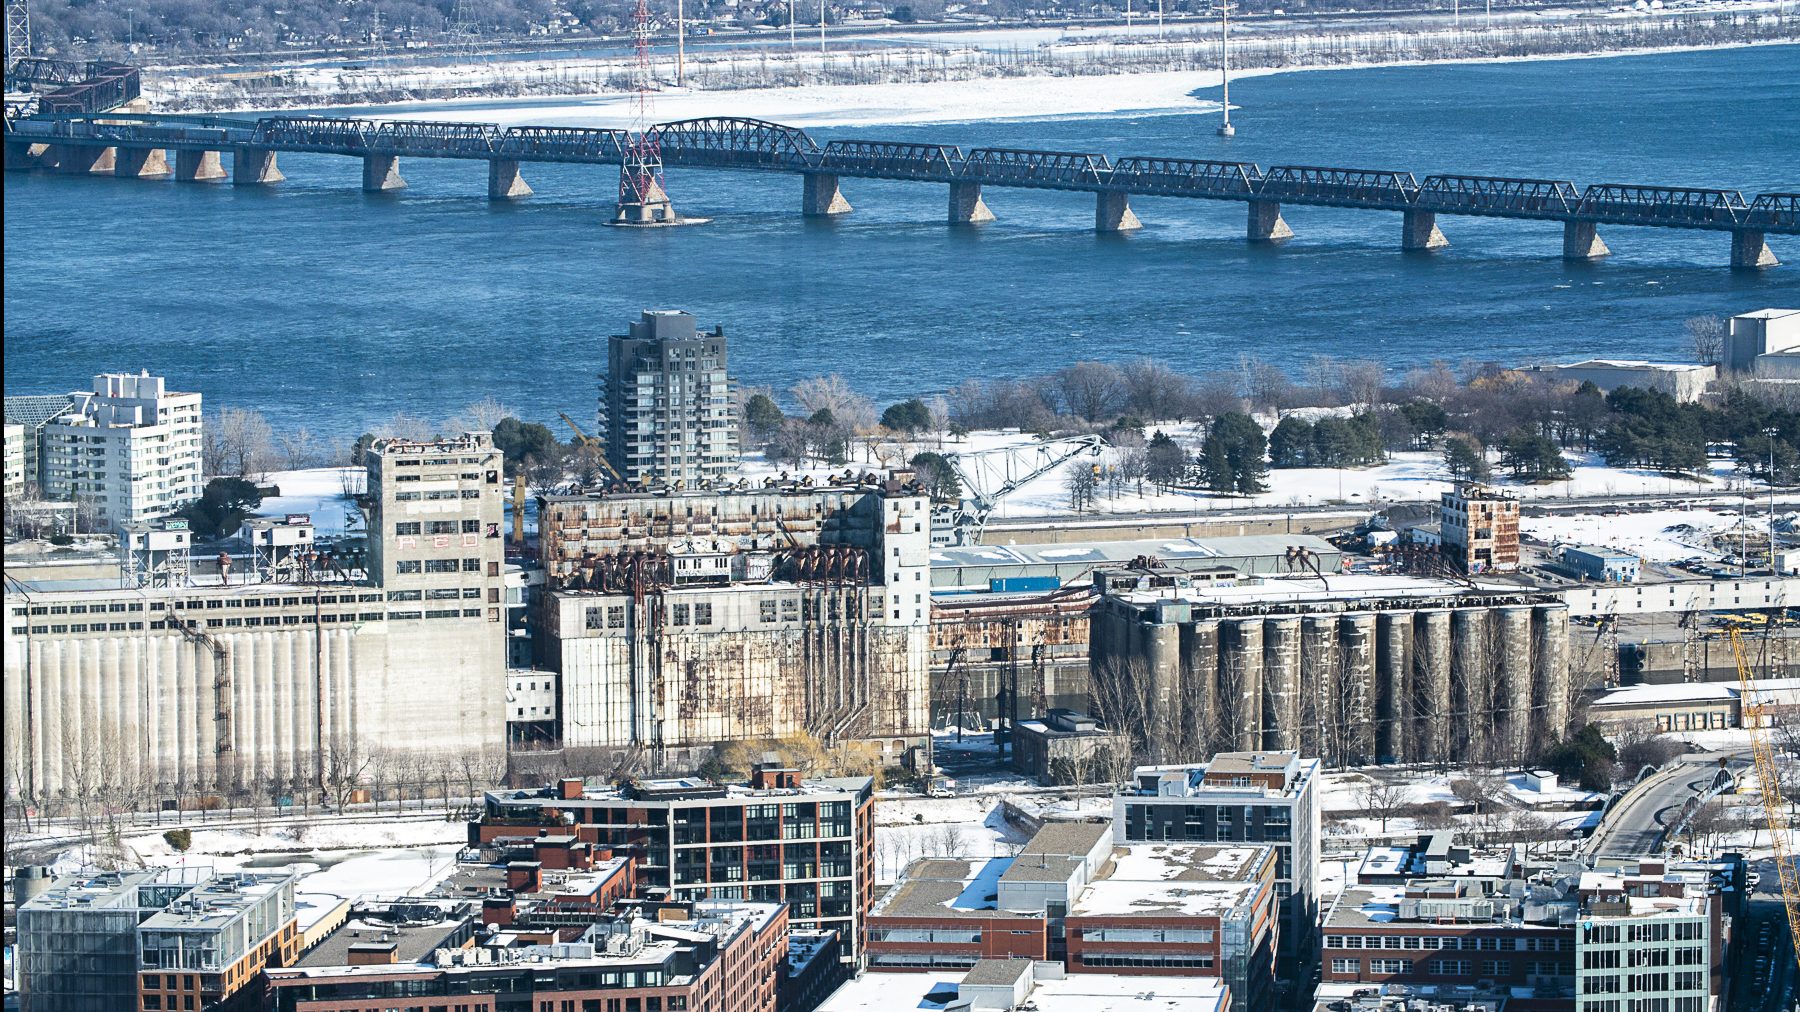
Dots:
{"x": 642, "y": 199}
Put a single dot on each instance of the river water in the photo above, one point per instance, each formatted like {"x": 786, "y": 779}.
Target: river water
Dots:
{"x": 329, "y": 308}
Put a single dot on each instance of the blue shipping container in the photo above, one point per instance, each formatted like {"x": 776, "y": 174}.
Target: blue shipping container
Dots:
{"x": 1022, "y": 584}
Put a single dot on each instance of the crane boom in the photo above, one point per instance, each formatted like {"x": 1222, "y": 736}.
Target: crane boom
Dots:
{"x": 987, "y": 476}
{"x": 1769, "y": 780}
{"x": 593, "y": 441}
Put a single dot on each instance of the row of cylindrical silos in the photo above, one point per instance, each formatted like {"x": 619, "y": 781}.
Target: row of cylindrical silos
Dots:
{"x": 1400, "y": 684}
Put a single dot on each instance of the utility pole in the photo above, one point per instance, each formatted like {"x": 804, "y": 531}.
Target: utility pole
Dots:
{"x": 1771, "y": 433}
{"x": 1225, "y": 128}
{"x": 680, "y": 45}
{"x": 821, "y": 28}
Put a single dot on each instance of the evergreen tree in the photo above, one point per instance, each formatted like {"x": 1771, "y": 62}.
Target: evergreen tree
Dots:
{"x": 1290, "y": 445}
{"x": 1234, "y": 456}
{"x": 762, "y": 416}
{"x": 908, "y": 416}
{"x": 1166, "y": 463}
{"x": 1465, "y": 457}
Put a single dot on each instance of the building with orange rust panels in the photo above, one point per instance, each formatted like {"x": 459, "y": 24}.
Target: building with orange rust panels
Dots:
{"x": 168, "y": 940}
{"x": 778, "y": 838}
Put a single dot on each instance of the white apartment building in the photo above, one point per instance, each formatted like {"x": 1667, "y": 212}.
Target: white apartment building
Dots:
{"x": 15, "y": 461}
{"x": 131, "y": 447}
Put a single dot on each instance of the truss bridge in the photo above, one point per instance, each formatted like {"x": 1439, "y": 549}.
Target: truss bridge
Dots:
{"x": 79, "y": 140}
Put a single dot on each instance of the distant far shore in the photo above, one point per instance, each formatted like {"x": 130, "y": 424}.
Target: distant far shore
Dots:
{"x": 983, "y": 75}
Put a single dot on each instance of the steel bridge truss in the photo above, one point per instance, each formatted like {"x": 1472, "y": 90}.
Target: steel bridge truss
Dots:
{"x": 759, "y": 145}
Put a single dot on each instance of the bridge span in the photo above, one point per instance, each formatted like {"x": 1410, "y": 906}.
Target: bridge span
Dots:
{"x": 137, "y": 145}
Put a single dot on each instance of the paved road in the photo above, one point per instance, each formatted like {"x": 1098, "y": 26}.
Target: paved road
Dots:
{"x": 1634, "y": 828}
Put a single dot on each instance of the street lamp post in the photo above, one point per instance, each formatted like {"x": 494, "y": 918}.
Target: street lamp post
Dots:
{"x": 1771, "y": 433}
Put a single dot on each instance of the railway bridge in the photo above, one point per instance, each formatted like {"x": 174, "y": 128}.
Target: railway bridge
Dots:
{"x": 119, "y": 144}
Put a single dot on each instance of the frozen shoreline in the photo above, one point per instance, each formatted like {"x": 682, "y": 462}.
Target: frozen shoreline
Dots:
{"x": 1076, "y": 76}
{"x": 1027, "y": 98}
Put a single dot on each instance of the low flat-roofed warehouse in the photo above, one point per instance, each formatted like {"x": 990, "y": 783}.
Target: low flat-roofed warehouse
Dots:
{"x": 974, "y": 567}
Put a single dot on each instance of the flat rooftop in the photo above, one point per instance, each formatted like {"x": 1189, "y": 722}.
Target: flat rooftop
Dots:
{"x": 219, "y": 901}
{"x": 1173, "y": 879}
{"x": 1078, "y": 992}
{"x": 416, "y": 929}
{"x": 1346, "y": 587}
{"x": 946, "y": 886}
{"x": 679, "y": 789}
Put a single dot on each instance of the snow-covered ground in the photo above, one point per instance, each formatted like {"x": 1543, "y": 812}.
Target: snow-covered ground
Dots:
{"x": 1658, "y": 535}
{"x": 318, "y": 492}
{"x": 1406, "y": 476}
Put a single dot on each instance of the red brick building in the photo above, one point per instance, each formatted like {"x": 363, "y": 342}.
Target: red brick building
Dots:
{"x": 1070, "y": 896}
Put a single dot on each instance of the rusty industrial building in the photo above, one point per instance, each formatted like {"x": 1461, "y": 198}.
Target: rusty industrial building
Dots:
{"x": 677, "y": 620}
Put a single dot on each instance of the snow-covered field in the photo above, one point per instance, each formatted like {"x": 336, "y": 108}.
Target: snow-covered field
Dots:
{"x": 1406, "y": 476}
{"x": 1658, "y": 536}
{"x": 318, "y": 492}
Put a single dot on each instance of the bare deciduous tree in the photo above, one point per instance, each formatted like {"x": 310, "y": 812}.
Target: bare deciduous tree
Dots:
{"x": 1382, "y": 799}
{"x": 236, "y": 443}
{"x": 1081, "y": 484}
{"x": 1706, "y": 335}
{"x": 480, "y": 416}
{"x": 298, "y": 449}
{"x": 832, "y": 393}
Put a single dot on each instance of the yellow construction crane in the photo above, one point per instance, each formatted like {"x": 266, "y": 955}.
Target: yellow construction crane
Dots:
{"x": 592, "y": 441}
{"x": 1768, "y": 777}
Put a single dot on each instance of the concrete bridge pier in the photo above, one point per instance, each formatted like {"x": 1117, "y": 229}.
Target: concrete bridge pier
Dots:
{"x": 1581, "y": 241}
{"x": 966, "y": 205}
{"x": 822, "y": 198}
{"x": 504, "y": 180}
{"x": 382, "y": 173}
{"x": 1750, "y": 251}
{"x": 254, "y": 167}
{"x": 1419, "y": 232}
{"x": 198, "y": 167}
{"x": 82, "y": 159}
{"x": 1112, "y": 213}
{"x": 1266, "y": 224}
{"x": 22, "y": 157}
{"x": 141, "y": 163}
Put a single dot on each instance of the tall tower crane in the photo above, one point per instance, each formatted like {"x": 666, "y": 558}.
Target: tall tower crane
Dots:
{"x": 1769, "y": 778}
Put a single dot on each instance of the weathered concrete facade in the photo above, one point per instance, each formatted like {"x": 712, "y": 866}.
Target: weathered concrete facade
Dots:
{"x": 677, "y": 621}
{"x": 260, "y": 685}
{"x": 981, "y": 645}
{"x": 1418, "y": 672}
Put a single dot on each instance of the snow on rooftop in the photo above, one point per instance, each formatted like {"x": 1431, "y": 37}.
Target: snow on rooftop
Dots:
{"x": 1159, "y": 878}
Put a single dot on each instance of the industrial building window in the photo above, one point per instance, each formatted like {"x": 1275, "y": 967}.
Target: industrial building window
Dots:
{"x": 615, "y": 616}
{"x": 703, "y": 614}
{"x": 441, "y": 527}
{"x": 471, "y": 593}
{"x": 596, "y": 618}
{"x": 404, "y": 595}
{"x": 406, "y": 497}
{"x": 441, "y": 565}
{"x": 403, "y": 615}
{"x": 678, "y": 615}
{"x": 407, "y": 527}
{"x": 407, "y": 566}
{"x": 768, "y": 611}
{"x": 471, "y": 565}
{"x": 493, "y": 569}
{"x": 493, "y": 595}
{"x": 471, "y": 527}
{"x": 443, "y": 594}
